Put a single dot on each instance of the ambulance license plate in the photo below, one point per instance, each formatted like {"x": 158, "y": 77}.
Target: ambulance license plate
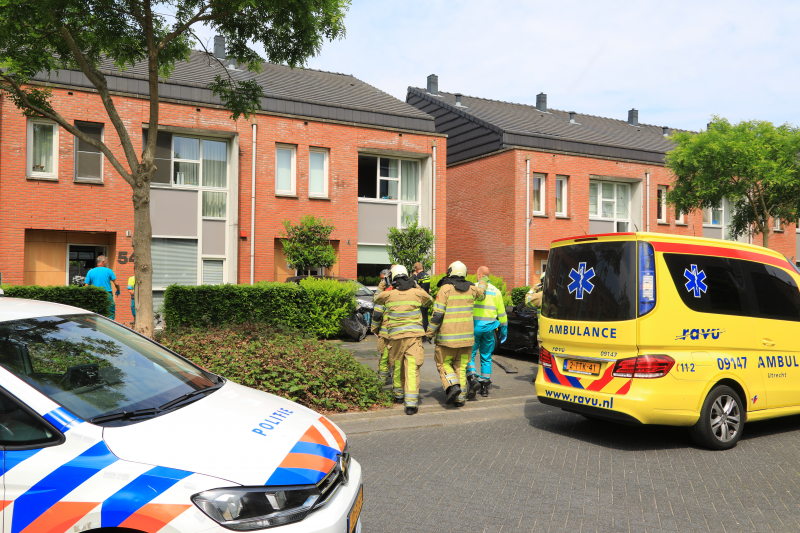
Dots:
{"x": 352, "y": 518}
{"x": 582, "y": 367}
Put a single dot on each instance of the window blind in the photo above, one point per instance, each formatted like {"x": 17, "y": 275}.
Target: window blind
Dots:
{"x": 174, "y": 261}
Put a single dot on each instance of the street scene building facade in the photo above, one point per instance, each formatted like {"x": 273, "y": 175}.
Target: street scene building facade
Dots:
{"x": 548, "y": 174}
{"x": 324, "y": 144}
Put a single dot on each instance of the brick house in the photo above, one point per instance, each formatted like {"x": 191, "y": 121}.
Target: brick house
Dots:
{"x": 520, "y": 176}
{"x": 325, "y": 144}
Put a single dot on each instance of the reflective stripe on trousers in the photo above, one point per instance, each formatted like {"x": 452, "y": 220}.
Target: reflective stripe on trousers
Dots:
{"x": 452, "y": 366}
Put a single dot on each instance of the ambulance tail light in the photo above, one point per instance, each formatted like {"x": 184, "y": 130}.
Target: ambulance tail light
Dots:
{"x": 545, "y": 359}
{"x": 644, "y": 366}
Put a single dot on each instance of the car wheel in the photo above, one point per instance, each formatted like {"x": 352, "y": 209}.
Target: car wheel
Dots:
{"x": 721, "y": 420}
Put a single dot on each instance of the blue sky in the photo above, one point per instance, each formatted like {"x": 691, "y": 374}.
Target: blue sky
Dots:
{"x": 678, "y": 63}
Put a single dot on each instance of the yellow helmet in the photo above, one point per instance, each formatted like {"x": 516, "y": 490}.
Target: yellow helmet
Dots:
{"x": 398, "y": 270}
{"x": 457, "y": 269}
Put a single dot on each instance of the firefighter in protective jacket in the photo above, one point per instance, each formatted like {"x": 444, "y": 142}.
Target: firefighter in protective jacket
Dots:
{"x": 451, "y": 326}
{"x": 383, "y": 337}
{"x": 401, "y": 311}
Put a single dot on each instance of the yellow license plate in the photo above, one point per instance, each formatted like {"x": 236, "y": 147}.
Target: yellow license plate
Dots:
{"x": 582, "y": 367}
{"x": 352, "y": 518}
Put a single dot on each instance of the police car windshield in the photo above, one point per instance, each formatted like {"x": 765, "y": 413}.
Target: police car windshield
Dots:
{"x": 92, "y": 366}
{"x": 362, "y": 290}
{"x": 593, "y": 281}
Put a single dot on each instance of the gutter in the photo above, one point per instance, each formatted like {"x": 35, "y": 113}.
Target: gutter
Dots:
{"x": 527, "y": 217}
{"x": 253, "y": 208}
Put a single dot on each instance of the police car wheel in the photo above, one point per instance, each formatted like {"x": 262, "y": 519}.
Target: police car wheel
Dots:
{"x": 721, "y": 420}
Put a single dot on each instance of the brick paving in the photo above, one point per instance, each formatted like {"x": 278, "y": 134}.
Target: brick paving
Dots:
{"x": 544, "y": 470}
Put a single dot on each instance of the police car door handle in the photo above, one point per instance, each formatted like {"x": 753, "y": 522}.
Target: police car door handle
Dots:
{"x": 767, "y": 342}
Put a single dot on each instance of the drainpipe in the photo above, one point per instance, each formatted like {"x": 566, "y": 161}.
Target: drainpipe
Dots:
{"x": 253, "y": 209}
{"x": 647, "y": 174}
{"x": 527, "y": 217}
{"x": 433, "y": 205}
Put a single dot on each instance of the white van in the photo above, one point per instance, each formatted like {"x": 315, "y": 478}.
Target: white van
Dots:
{"x": 101, "y": 427}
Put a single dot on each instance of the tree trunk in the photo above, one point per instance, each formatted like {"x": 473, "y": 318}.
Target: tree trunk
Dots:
{"x": 143, "y": 266}
{"x": 765, "y": 235}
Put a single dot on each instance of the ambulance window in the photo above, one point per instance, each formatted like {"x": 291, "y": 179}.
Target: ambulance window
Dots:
{"x": 20, "y": 428}
{"x": 775, "y": 291}
{"x": 708, "y": 284}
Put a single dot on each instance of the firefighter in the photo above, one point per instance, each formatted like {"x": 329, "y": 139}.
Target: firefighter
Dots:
{"x": 451, "y": 326}
{"x": 487, "y": 317}
{"x": 423, "y": 280}
{"x": 400, "y": 311}
{"x": 383, "y": 335}
{"x": 533, "y": 298}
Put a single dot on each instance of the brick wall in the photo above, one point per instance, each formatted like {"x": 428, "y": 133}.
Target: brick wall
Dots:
{"x": 69, "y": 206}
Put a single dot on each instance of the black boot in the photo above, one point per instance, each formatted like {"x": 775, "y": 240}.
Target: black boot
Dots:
{"x": 485, "y": 385}
{"x": 411, "y": 410}
{"x": 399, "y": 400}
{"x": 473, "y": 386}
{"x": 452, "y": 393}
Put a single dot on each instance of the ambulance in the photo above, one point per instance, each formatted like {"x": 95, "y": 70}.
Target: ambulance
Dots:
{"x": 648, "y": 328}
{"x": 103, "y": 428}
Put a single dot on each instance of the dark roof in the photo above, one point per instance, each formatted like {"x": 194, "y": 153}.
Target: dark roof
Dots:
{"x": 298, "y": 91}
{"x": 498, "y": 125}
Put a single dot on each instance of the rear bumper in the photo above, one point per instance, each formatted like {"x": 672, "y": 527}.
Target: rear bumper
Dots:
{"x": 589, "y": 410}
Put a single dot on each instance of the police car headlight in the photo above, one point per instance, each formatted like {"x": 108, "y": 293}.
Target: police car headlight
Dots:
{"x": 245, "y": 509}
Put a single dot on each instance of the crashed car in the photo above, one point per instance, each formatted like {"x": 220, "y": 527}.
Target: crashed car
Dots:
{"x": 357, "y": 324}
{"x": 523, "y": 329}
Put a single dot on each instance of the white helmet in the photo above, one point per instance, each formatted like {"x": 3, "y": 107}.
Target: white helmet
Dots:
{"x": 398, "y": 270}
{"x": 457, "y": 269}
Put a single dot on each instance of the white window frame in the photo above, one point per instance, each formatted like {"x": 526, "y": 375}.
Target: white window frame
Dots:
{"x": 710, "y": 223}
{"x": 76, "y": 151}
{"x": 293, "y": 149}
{"x": 327, "y": 153}
{"x": 776, "y": 224}
{"x": 30, "y": 173}
{"x": 679, "y": 217}
{"x": 399, "y": 202}
{"x": 542, "y": 195}
{"x": 563, "y": 180}
{"x": 615, "y": 219}
{"x": 663, "y": 190}
{"x": 199, "y": 162}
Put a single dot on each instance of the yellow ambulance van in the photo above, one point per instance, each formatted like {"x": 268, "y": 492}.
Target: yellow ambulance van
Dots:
{"x": 647, "y": 328}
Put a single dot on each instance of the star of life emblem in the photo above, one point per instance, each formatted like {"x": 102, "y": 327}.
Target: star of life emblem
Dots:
{"x": 696, "y": 281}
{"x": 580, "y": 281}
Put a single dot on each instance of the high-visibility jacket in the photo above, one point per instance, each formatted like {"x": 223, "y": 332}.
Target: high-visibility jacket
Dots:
{"x": 492, "y": 308}
{"x": 423, "y": 279}
{"x": 451, "y": 322}
{"x": 400, "y": 312}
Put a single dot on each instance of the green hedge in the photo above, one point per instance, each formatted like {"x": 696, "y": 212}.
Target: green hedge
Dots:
{"x": 91, "y": 298}
{"x": 494, "y": 280}
{"x": 316, "y": 306}
{"x": 518, "y": 294}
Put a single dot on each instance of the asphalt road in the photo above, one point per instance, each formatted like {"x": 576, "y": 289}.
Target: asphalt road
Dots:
{"x": 517, "y": 465}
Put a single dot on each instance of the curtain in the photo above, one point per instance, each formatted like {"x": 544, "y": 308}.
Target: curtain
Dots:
{"x": 537, "y": 195}
{"x": 174, "y": 261}
{"x": 283, "y": 166}
{"x": 593, "y": 199}
{"x": 187, "y": 173}
{"x": 388, "y": 168}
{"x": 407, "y": 214}
{"x": 316, "y": 173}
{"x": 409, "y": 181}
{"x": 42, "y": 148}
{"x": 214, "y": 204}
{"x": 186, "y": 148}
{"x": 622, "y": 201}
{"x": 215, "y": 164}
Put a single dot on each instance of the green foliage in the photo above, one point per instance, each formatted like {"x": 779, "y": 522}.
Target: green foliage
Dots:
{"x": 518, "y": 295}
{"x": 91, "y": 298}
{"x": 369, "y": 281}
{"x": 281, "y": 361}
{"x": 308, "y": 244}
{"x": 316, "y": 306}
{"x": 753, "y": 164}
{"x": 410, "y": 245}
{"x": 494, "y": 280}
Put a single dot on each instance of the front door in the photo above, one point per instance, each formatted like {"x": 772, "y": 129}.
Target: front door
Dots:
{"x": 80, "y": 260}
{"x": 775, "y": 300}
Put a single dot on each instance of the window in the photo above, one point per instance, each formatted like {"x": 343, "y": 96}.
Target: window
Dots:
{"x": 661, "y": 201}
{"x": 42, "y": 152}
{"x": 391, "y": 181}
{"x": 610, "y": 201}
{"x": 174, "y": 261}
{"x": 722, "y": 278}
{"x": 561, "y": 196}
{"x": 318, "y": 172}
{"x": 679, "y": 217}
{"x": 88, "y": 159}
{"x": 186, "y": 161}
{"x": 713, "y": 216}
{"x": 214, "y": 204}
{"x": 776, "y": 223}
{"x": 537, "y": 184}
{"x": 215, "y": 164}
{"x": 409, "y": 191}
{"x": 775, "y": 291}
{"x": 212, "y": 272}
{"x": 19, "y": 426}
{"x": 163, "y": 157}
{"x": 285, "y": 169}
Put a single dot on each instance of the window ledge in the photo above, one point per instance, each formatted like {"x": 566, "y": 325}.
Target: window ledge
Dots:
{"x": 285, "y": 195}
{"x": 88, "y": 180}
{"x": 43, "y": 178}
{"x": 539, "y": 215}
{"x": 323, "y": 198}
{"x": 563, "y": 217}
{"x": 777, "y": 231}
{"x": 660, "y": 223}
{"x": 681, "y": 224}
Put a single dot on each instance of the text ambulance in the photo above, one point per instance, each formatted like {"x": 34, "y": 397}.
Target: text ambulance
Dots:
{"x": 647, "y": 328}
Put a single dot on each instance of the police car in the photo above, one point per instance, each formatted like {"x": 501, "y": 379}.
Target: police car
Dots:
{"x": 101, "y": 427}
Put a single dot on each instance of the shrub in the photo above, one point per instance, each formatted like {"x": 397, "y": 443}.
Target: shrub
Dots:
{"x": 282, "y": 361}
{"x": 316, "y": 306}
{"x": 370, "y": 281}
{"x": 308, "y": 244}
{"x": 518, "y": 295}
{"x": 494, "y": 280}
{"x": 412, "y": 244}
{"x": 91, "y": 298}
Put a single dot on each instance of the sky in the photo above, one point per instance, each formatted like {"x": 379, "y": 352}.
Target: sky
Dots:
{"x": 678, "y": 63}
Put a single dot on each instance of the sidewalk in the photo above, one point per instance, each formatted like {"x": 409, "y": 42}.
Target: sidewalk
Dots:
{"x": 511, "y": 394}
